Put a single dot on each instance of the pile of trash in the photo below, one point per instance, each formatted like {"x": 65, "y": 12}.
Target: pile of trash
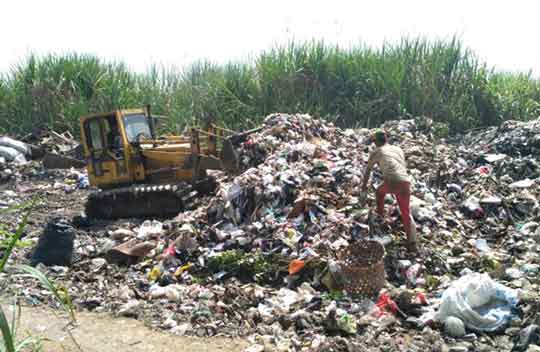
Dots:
{"x": 515, "y": 138}
{"x": 56, "y": 150}
{"x": 39, "y": 156}
{"x": 263, "y": 257}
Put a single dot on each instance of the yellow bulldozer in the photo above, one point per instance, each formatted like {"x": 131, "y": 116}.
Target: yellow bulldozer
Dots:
{"x": 139, "y": 174}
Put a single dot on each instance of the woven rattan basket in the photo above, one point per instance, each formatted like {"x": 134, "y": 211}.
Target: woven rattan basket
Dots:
{"x": 362, "y": 266}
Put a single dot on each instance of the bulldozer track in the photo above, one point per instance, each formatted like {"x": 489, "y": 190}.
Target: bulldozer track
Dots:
{"x": 138, "y": 201}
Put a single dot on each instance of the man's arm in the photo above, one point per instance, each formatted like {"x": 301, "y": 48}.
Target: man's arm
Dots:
{"x": 371, "y": 162}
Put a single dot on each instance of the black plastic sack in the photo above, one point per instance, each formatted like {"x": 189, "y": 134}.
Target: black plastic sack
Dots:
{"x": 55, "y": 245}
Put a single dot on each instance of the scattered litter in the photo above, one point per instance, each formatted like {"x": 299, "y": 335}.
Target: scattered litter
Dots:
{"x": 263, "y": 256}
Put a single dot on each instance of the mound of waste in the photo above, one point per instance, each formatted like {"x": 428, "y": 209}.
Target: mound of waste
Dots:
{"x": 264, "y": 256}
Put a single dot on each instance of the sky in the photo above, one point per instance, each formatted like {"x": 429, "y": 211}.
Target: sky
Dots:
{"x": 167, "y": 32}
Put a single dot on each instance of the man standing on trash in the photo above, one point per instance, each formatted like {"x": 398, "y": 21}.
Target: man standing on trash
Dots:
{"x": 396, "y": 181}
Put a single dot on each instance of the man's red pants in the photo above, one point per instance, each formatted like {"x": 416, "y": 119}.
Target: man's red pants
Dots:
{"x": 402, "y": 191}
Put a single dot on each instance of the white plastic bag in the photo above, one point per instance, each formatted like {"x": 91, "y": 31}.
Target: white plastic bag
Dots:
{"x": 479, "y": 293}
{"x": 421, "y": 210}
{"x": 482, "y": 304}
{"x": 12, "y": 154}
{"x": 526, "y": 183}
{"x": 233, "y": 192}
{"x": 173, "y": 293}
{"x": 149, "y": 229}
{"x": 17, "y": 145}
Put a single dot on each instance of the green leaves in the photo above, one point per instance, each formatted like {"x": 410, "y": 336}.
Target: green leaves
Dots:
{"x": 13, "y": 238}
{"x": 60, "y": 293}
{"x": 357, "y": 86}
{"x": 8, "y": 332}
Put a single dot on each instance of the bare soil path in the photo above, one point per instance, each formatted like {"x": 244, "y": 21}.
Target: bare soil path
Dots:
{"x": 103, "y": 333}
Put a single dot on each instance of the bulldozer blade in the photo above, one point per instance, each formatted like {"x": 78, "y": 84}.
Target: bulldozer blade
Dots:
{"x": 242, "y": 136}
{"x": 229, "y": 156}
{"x": 205, "y": 186}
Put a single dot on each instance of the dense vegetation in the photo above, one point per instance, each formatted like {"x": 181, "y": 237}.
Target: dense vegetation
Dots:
{"x": 360, "y": 86}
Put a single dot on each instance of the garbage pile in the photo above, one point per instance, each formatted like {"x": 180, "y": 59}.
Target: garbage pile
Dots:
{"x": 516, "y": 138}
{"x": 261, "y": 258}
{"x": 36, "y": 157}
{"x": 291, "y": 202}
{"x": 55, "y": 150}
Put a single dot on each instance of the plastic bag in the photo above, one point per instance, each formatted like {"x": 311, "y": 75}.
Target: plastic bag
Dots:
{"x": 526, "y": 183}
{"x": 472, "y": 207}
{"x": 295, "y": 266}
{"x": 149, "y": 229}
{"x": 233, "y": 192}
{"x": 482, "y": 245}
{"x": 14, "y": 144}
{"x": 55, "y": 245}
{"x": 421, "y": 211}
{"x": 386, "y": 304}
{"x": 346, "y": 322}
{"x": 11, "y": 154}
{"x": 482, "y": 304}
{"x": 173, "y": 293}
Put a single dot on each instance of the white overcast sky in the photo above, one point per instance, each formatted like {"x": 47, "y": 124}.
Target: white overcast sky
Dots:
{"x": 505, "y": 33}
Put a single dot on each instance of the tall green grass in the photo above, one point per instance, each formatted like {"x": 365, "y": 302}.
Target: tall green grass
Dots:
{"x": 9, "y": 334}
{"x": 359, "y": 86}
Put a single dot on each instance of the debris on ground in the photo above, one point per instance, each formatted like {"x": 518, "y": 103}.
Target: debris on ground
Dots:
{"x": 263, "y": 258}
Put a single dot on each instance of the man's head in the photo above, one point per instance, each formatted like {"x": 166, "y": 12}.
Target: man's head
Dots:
{"x": 379, "y": 138}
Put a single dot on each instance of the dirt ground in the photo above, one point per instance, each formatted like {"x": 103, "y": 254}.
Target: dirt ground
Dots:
{"x": 103, "y": 333}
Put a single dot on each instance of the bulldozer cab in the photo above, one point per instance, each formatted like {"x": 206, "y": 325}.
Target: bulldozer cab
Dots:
{"x": 108, "y": 141}
{"x": 138, "y": 127}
